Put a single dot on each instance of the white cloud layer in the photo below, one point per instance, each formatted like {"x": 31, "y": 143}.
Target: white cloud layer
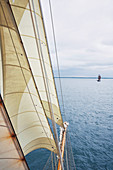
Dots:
{"x": 84, "y": 35}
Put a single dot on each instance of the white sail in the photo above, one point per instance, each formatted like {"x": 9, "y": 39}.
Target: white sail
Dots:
{"x": 19, "y": 91}
{"x": 28, "y": 18}
{"x": 11, "y": 156}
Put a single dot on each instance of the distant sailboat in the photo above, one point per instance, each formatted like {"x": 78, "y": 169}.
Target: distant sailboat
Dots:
{"x": 29, "y": 91}
{"x": 99, "y": 78}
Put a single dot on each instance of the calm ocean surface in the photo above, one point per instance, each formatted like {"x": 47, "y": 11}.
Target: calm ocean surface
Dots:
{"x": 89, "y": 111}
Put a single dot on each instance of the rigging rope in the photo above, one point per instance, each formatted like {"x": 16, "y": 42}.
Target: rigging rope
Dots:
{"x": 54, "y": 38}
{"x": 22, "y": 69}
{"x": 71, "y": 150}
{"x": 56, "y": 52}
{"x": 55, "y": 161}
{"x": 49, "y": 56}
{"x": 46, "y": 83}
{"x": 45, "y": 167}
{"x": 52, "y": 160}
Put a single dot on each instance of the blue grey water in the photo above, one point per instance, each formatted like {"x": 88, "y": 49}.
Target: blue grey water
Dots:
{"x": 89, "y": 111}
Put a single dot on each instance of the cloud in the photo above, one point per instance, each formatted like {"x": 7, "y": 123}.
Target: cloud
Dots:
{"x": 108, "y": 42}
{"x": 84, "y": 30}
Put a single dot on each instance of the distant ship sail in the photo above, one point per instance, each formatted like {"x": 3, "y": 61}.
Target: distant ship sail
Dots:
{"x": 99, "y": 78}
{"x": 29, "y": 91}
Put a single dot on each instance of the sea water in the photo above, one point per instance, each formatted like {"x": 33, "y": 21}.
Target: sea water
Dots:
{"x": 89, "y": 111}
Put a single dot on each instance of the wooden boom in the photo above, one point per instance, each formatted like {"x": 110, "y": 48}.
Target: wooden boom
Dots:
{"x": 63, "y": 143}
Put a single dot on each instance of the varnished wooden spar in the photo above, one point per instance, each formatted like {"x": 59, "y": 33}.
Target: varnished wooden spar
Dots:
{"x": 63, "y": 144}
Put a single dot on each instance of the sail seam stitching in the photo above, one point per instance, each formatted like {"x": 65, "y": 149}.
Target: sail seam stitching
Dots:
{"x": 45, "y": 82}
{"x": 30, "y": 128}
{"x": 25, "y": 9}
{"x": 24, "y": 76}
{"x": 38, "y": 59}
{"x": 32, "y": 111}
{"x": 36, "y": 40}
{"x": 24, "y": 35}
{"x": 16, "y": 66}
{"x": 1, "y": 25}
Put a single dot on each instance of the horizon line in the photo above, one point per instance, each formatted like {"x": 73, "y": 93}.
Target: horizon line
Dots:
{"x": 83, "y": 77}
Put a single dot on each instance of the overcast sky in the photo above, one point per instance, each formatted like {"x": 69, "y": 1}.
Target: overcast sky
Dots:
{"x": 84, "y": 36}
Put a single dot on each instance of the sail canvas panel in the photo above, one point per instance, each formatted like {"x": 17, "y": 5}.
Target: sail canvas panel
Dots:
{"x": 35, "y": 44}
{"x": 11, "y": 156}
{"x": 19, "y": 91}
